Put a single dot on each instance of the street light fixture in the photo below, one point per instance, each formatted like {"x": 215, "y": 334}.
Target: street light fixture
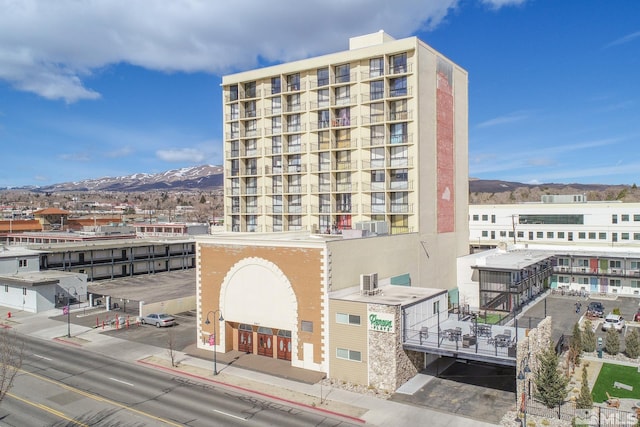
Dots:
{"x": 215, "y": 338}
{"x": 68, "y": 308}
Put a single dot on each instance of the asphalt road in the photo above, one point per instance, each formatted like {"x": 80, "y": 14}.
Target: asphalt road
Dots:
{"x": 60, "y": 385}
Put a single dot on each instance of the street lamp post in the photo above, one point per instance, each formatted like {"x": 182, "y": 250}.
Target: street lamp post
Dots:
{"x": 215, "y": 338}
{"x": 68, "y": 308}
{"x": 523, "y": 373}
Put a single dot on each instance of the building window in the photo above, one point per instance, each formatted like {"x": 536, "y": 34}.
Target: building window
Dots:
{"x": 22, "y": 263}
{"x": 398, "y": 63}
{"x": 485, "y": 233}
{"x": 625, "y": 236}
{"x": 6, "y": 288}
{"x": 250, "y": 90}
{"x": 635, "y": 283}
{"x": 503, "y": 233}
{"x": 293, "y": 82}
{"x": 624, "y": 217}
{"x": 342, "y": 73}
{"x": 376, "y": 90}
{"x": 233, "y": 93}
{"x": 376, "y": 67}
{"x": 636, "y": 236}
{"x": 615, "y": 263}
{"x": 615, "y": 283}
{"x": 582, "y": 235}
{"x": 348, "y": 319}
{"x": 275, "y": 85}
{"x": 343, "y": 353}
{"x": 485, "y": 217}
{"x": 602, "y": 236}
{"x": 560, "y": 234}
{"x": 549, "y": 234}
{"x": 614, "y": 219}
{"x": 521, "y": 234}
{"x": 636, "y": 217}
{"x": 398, "y": 87}
{"x": 592, "y": 236}
{"x": 306, "y": 326}
{"x": 436, "y": 307}
{"x": 24, "y": 291}
{"x": 476, "y": 217}
{"x": 323, "y": 76}
{"x": 540, "y": 235}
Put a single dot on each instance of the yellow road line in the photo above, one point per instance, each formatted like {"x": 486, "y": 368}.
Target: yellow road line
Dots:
{"x": 91, "y": 396}
{"x": 47, "y": 409}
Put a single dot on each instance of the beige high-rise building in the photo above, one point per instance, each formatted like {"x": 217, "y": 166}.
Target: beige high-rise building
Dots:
{"x": 374, "y": 137}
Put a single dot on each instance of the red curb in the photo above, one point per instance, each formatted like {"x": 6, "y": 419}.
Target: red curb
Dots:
{"x": 259, "y": 393}
{"x": 62, "y": 340}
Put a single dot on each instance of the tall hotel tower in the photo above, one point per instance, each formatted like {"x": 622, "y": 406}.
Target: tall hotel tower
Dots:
{"x": 374, "y": 137}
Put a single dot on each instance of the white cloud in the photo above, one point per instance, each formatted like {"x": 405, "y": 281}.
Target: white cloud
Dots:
{"x": 49, "y": 47}
{"x": 497, "y": 4}
{"x": 622, "y": 40}
{"x": 182, "y": 155}
{"x": 506, "y": 119}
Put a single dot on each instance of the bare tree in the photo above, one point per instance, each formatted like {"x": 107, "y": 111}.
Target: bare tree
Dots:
{"x": 11, "y": 355}
{"x": 171, "y": 348}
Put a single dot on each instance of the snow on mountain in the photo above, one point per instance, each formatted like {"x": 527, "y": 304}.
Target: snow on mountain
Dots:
{"x": 203, "y": 177}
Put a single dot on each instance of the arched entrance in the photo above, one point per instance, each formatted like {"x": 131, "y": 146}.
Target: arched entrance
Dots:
{"x": 284, "y": 345}
{"x": 265, "y": 342}
{"x": 245, "y": 338}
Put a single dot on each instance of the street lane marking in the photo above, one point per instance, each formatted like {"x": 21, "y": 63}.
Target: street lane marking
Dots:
{"x": 229, "y": 415}
{"x": 42, "y": 357}
{"x": 47, "y": 409}
{"x": 100, "y": 399}
{"x": 121, "y": 382}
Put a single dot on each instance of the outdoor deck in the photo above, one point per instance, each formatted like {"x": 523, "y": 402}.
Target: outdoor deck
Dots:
{"x": 465, "y": 339}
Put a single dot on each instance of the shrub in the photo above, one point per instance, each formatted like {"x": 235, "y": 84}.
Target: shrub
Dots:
{"x": 588, "y": 337}
{"x": 632, "y": 344}
{"x": 612, "y": 342}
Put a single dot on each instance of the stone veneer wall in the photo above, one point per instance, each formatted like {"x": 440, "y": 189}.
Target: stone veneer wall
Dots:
{"x": 537, "y": 340}
{"x": 389, "y": 365}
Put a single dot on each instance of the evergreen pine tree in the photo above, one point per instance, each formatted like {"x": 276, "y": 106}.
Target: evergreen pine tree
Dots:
{"x": 632, "y": 344}
{"x": 576, "y": 345}
{"x": 612, "y": 342}
{"x": 551, "y": 384}
{"x": 584, "y": 401}
{"x": 588, "y": 337}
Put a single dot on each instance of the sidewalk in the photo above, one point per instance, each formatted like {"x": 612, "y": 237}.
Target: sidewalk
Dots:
{"x": 235, "y": 371}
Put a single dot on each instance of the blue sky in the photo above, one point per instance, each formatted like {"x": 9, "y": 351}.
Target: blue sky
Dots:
{"x": 93, "y": 89}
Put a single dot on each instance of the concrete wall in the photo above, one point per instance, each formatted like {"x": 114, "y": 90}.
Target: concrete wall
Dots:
{"x": 173, "y": 306}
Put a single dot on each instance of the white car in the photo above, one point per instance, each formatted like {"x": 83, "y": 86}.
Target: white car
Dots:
{"x": 158, "y": 319}
{"x": 614, "y": 321}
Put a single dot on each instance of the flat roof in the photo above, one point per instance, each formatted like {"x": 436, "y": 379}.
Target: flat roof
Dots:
{"x": 514, "y": 259}
{"x": 388, "y": 295}
{"x": 105, "y": 244}
{"x": 34, "y": 278}
{"x": 148, "y": 287}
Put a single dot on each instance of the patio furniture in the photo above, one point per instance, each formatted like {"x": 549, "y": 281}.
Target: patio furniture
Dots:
{"x": 502, "y": 340}
{"x": 468, "y": 341}
{"x": 424, "y": 334}
{"x": 612, "y": 402}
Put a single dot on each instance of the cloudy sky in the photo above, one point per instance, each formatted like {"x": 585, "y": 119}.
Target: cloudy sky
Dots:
{"x": 93, "y": 88}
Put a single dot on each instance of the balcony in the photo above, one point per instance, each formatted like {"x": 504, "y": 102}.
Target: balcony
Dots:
{"x": 295, "y": 169}
{"x": 401, "y": 208}
{"x": 373, "y": 119}
{"x": 250, "y": 94}
{"x": 373, "y": 142}
{"x": 251, "y": 191}
{"x": 272, "y": 170}
{"x": 250, "y": 114}
{"x": 400, "y": 115}
{"x": 273, "y": 131}
{"x": 400, "y": 92}
{"x": 345, "y": 187}
{"x": 344, "y": 165}
{"x": 294, "y": 189}
{"x": 400, "y": 139}
{"x": 401, "y": 68}
{"x": 294, "y": 209}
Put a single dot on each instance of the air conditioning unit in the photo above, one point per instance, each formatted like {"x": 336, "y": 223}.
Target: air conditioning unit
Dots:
{"x": 369, "y": 283}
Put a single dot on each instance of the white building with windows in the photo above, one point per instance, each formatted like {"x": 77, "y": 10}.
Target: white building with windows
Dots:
{"x": 556, "y": 221}
{"x": 24, "y": 287}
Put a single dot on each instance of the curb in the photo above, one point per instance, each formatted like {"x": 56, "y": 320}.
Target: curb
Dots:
{"x": 247, "y": 390}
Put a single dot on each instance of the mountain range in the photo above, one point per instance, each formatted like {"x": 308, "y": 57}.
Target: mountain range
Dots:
{"x": 210, "y": 177}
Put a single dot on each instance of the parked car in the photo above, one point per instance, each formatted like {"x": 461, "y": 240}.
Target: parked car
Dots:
{"x": 158, "y": 319}
{"x": 595, "y": 309}
{"x": 614, "y": 321}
